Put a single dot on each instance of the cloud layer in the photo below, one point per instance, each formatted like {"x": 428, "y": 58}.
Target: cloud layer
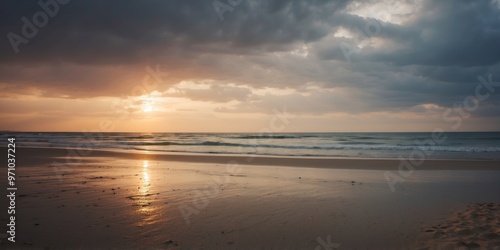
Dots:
{"x": 315, "y": 57}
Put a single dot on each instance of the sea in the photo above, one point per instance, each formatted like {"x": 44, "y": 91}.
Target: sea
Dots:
{"x": 449, "y": 145}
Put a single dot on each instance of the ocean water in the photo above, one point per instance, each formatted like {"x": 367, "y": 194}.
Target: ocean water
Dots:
{"x": 456, "y": 145}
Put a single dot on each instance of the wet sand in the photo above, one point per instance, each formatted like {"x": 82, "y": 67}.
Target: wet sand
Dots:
{"x": 116, "y": 200}
{"x": 36, "y": 156}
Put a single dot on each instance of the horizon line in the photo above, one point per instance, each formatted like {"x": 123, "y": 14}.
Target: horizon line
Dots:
{"x": 246, "y": 132}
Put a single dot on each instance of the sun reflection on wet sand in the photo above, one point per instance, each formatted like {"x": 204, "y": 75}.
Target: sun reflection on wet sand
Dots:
{"x": 144, "y": 198}
{"x": 148, "y": 206}
{"x": 144, "y": 190}
{"x": 145, "y": 174}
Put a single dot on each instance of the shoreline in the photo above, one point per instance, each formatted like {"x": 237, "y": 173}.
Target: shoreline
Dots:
{"x": 45, "y": 154}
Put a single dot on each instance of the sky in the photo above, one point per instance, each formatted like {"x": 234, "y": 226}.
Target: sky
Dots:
{"x": 249, "y": 66}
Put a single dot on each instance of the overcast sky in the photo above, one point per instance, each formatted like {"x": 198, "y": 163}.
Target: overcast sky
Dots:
{"x": 236, "y": 65}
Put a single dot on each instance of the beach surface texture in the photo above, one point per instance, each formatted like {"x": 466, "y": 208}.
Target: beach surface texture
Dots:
{"x": 130, "y": 200}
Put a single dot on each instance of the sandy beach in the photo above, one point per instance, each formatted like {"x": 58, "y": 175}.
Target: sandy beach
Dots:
{"x": 117, "y": 200}
{"x": 231, "y": 124}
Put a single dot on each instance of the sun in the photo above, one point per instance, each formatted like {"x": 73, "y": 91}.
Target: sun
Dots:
{"x": 148, "y": 103}
{"x": 147, "y": 107}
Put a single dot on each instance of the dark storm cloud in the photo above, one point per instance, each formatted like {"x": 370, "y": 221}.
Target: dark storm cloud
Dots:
{"x": 449, "y": 33}
{"x": 94, "y": 48}
{"x": 126, "y": 31}
{"x": 434, "y": 57}
{"x": 133, "y": 34}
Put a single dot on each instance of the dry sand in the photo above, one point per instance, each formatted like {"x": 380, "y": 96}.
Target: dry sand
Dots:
{"x": 475, "y": 227}
{"x": 118, "y": 200}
